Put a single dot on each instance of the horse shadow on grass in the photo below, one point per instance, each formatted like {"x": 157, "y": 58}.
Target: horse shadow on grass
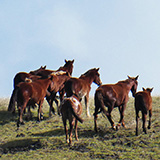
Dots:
{"x": 7, "y": 117}
{"x": 55, "y": 132}
{"x": 20, "y": 145}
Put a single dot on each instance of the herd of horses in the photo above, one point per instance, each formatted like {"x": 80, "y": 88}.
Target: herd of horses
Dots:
{"x": 30, "y": 90}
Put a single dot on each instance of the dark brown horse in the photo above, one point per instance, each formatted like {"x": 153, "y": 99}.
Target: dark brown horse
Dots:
{"x": 81, "y": 86}
{"x": 21, "y": 76}
{"x": 71, "y": 110}
{"x": 59, "y": 78}
{"x": 30, "y": 93}
{"x": 143, "y": 103}
{"x": 68, "y": 67}
{"x": 114, "y": 95}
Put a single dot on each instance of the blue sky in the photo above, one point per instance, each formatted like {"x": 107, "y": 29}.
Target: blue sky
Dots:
{"x": 121, "y": 37}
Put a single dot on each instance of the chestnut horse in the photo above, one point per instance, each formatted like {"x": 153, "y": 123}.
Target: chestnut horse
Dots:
{"x": 59, "y": 78}
{"x": 81, "y": 86}
{"x": 68, "y": 67}
{"x": 114, "y": 95}
{"x": 71, "y": 110}
{"x": 20, "y": 77}
{"x": 143, "y": 103}
{"x": 30, "y": 93}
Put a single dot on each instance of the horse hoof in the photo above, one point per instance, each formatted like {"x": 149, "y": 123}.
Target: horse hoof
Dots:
{"x": 117, "y": 128}
{"x": 114, "y": 127}
{"x": 22, "y": 123}
{"x": 149, "y": 127}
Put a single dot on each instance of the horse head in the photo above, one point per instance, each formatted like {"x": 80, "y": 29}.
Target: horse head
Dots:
{"x": 68, "y": 66}
{"x": 97, "y": 79}
{"x": 147, "y": 89}
{"x": 38, "y": 70}
{"x": 134, "y": 84}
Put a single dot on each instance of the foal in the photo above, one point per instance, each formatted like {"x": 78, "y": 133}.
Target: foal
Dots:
{"x": 143, "y": 103}
{"x": 71, "y": 109}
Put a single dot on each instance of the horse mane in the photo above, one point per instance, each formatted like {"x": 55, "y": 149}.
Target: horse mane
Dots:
{"x": 124, "y": 81}
{"x": 84, "y": 74}
{"x": 58, "y": 73}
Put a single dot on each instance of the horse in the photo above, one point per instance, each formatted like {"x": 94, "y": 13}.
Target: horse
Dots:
{"x": 81, "y": 86}
{"x": 11, "y": 106}
{"x": 59, "y": 78}
{"x": 143, "y": 103}
{"x": 114, "y": 95}
{"x": 68, "y": 67}
{"x": 21, "y": 76}
{"x": 31, "y": 93}
{"x": 41, "y": 72}
{"x": 71, "y": 110}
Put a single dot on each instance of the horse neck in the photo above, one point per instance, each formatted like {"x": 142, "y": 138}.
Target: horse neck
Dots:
{"x": 126, "y": 85}
{"x": 87, "y": 78}
{"x": 67, "y": 69}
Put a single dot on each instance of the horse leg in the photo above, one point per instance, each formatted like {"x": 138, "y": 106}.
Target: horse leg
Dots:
{"x": 137, "y": 119}
{"x": 65, "y": 129}
{"x": 150, "y": 115}
{"x": 95, "y": 118}
{"x": 144, "y": 116}
{"x": 50, "y": 102}
{"x": 76, "y": 134}
{"x": 71, "y": 123}
{"x": 121, "y": 110}
{"x": 20, "y": 111}
{"x": 86, "y": 104}
{"x": 40, "y": 114}
{"x": 110, "y": 118}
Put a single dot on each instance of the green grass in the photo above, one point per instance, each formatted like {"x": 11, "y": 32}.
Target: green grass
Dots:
{"x": 46, "y": 140}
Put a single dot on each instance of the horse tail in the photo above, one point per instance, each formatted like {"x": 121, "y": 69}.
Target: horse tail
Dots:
{"x": 75, "y": 114}
{"x": 11, "y": 106}
{"x": 99, "y": 103}
{"x": 140, "y": 103}
{"x": 68, "y": 88}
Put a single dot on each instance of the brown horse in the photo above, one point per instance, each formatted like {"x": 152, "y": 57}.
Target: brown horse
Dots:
{"x": 68, "y": 67}
{"x": 143, "y": 103}
{"x": 71, "y": 110}
{"x": 21, "y": 76}
{"x": 81, "y": 86}
{"x": 30, "y": 93}
{"x": 114, "y": 95}
{"x": 59, "y": 78}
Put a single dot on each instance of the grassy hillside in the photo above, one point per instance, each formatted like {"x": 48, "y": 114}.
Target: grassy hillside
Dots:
{"x": 46, "y": 140}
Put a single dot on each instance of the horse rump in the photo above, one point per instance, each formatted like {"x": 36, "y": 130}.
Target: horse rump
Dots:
{"x": 67, "y": 110}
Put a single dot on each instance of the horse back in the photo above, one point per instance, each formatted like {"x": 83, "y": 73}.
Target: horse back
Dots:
{"x": 113, "y": 93}
{"x": 143, "y": 101}
{"x": 70, "y": 108}
{"x": 76, "y": 86}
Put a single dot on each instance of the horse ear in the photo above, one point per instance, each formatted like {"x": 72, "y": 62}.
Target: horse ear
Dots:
{"x": 97, "y": 69}
{"x": 143, "y": 89}
{"x": 151, "y": 89}
{"x": 65, "y": 61}
{"x": 44, "y": 67}
{"x": 136, "y": 77}
{"x": 72, "y": 60}
{"x": 129, "y": 77}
